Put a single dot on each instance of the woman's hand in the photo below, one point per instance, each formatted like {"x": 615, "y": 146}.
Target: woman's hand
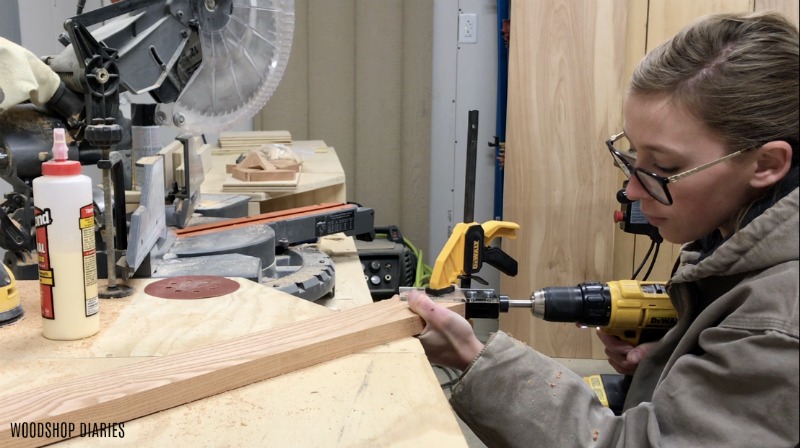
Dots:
{"x": 623, "y": 356}
{"x": 448, "y": 339}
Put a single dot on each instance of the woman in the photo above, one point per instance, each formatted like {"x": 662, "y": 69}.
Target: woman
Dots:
{"x": 710, "y": 144}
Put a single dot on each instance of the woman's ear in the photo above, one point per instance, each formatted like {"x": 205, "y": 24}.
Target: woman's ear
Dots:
{"x": 772, "y": 163}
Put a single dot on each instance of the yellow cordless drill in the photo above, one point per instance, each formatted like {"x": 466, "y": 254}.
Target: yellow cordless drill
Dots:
{"x": 632, "y": 310}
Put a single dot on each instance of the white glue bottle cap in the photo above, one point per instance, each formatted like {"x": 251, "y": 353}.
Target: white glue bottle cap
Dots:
{"x": 60, "y": 165}
{"x": 60, "y": 149}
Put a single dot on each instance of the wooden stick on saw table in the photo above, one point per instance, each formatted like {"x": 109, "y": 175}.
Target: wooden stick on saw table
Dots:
{"x": 144, "y": 388}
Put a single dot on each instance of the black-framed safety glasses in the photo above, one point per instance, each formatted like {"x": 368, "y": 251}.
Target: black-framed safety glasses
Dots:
{"x": 654, "y": 184}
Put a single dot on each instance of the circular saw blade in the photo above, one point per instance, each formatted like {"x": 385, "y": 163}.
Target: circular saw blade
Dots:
{"x": 245, "y": 47}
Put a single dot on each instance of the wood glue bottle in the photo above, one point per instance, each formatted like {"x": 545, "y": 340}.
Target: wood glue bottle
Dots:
{"x": 64, "y": 215}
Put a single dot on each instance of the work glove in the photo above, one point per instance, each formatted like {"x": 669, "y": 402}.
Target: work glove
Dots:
{"x": 623, "y": 356}
{"x": 448, "y": 339}
{"x": 24, "y": 77}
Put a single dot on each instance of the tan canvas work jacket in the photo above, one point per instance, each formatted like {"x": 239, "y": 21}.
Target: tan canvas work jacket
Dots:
{"x": 725, "y": 376}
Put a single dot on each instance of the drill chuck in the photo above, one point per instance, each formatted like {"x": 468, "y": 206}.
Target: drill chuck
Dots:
{"x": 557, "y": 304}
{"x": 587, "y": 304}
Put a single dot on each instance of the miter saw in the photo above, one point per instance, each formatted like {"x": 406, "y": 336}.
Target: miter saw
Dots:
{"x": 206, "y": 64}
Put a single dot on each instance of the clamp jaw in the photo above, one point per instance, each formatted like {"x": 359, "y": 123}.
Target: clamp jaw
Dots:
{"x": 478, "y": 303}
{"x": 465, "y": 252}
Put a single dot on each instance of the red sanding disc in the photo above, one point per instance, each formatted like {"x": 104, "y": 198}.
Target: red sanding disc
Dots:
{"x": 191, "y": 287}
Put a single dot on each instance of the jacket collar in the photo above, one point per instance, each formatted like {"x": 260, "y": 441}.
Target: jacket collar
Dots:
{"x": 769, "y": 239}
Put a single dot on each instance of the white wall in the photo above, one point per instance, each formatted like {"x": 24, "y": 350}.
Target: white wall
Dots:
{"x": 41, "y": 21}
{"x": 9, "y": 22}
{"x": 464, "y": 79}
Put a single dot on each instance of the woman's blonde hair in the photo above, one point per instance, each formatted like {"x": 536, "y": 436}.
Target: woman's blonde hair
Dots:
{"x": 738, "y": 73}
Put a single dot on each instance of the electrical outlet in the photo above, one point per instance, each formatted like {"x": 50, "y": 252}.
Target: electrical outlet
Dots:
{"x": 467, "y": 28}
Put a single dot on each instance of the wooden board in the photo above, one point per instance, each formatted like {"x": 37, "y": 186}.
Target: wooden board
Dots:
{"x": 566, "y": 68}
{"x": 342, "y": 402}
{"x": 268, "y": 136}
{"x": 789, "y": 8}
{"x": 262, "y": 175}
{"x": 133, "y": 391}
{"x": 288, "y": 182}
{"x": 242, "y": 141}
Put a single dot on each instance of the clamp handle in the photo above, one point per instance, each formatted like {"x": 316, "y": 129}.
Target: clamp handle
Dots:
{"x": 467, "y": 249}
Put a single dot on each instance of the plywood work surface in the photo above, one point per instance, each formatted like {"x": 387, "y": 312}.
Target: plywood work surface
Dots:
{"x": 384, "y": 396}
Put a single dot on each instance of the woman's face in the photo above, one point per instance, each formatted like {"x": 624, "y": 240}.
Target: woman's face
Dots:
{"x": 669, "y": 140}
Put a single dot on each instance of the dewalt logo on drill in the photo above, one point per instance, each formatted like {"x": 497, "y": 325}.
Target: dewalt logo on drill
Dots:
{"x": 476, "y": 251}
{"x": 663, "y": 321}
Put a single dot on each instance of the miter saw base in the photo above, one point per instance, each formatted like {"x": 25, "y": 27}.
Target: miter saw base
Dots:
{"x": 303, "y": 271}
{"x": 250, "y": 252}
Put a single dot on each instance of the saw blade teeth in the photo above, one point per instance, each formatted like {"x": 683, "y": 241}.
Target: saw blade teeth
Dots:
{"x": 243, "y": 65}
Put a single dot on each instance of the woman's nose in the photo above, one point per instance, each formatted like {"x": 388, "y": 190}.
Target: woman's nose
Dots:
{"x": 634, "y": 191}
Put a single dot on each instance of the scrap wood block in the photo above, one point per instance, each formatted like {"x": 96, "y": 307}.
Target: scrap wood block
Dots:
{"x": 286, "y": 164}
{"x": 255, "y": 159}
{"x": 258, "y": 175}
{"x": 256, "y": 168}
{"x": 150, "y": 386}
{"x": 230, "y": 142}
{"x": 253, "y": 139}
